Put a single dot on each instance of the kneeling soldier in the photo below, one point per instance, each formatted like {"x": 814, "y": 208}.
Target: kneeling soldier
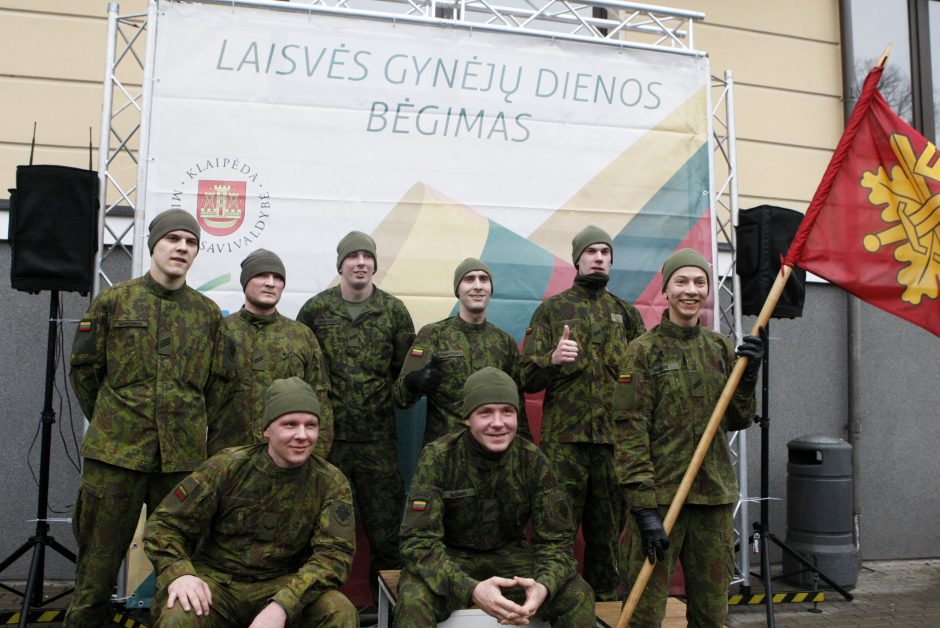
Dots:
{"x": 463, "y": 536}
{"x": 260, "y": 535}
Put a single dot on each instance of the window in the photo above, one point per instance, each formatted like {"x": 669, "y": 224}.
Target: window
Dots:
{"x": 913, "y": 69}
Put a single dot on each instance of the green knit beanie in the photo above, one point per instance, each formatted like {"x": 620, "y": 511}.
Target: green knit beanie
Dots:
{"x": 172, "y": 220}
{"x": 682, "y": 258}
{"x": 488, "y": 385}
{"x": 355, "y": 241}
{"x": 288, "y": 395}
{"x": 260, "y": 262}
{"x": 464, "y": 267}
{"x": 592, "y": 234}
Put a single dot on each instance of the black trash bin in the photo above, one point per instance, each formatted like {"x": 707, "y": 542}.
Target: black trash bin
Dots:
{"x": 819, "y": 511}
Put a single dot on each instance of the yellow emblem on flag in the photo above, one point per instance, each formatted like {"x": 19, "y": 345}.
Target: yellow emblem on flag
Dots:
{"x": 914, "y": 215}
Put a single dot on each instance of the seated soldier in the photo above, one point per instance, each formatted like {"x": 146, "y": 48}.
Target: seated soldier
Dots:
{"x": 463, "y": 536}
{"x": 260, "y": 535}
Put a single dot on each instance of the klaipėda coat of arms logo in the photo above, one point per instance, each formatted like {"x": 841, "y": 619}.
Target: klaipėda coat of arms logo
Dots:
{"x": 220, "y": 205}
{"x": 229, "y": 202}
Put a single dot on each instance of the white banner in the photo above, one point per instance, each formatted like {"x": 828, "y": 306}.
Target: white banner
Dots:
{"x": 285, "y": 131}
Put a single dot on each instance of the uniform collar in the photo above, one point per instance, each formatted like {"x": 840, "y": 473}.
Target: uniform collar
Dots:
{"x": 482, "y": 458}
{"x": 161, "y": 291}
{"x": 266, "y": 465}
{"x": 668, "y": 328}
{"x": 468, "y": 327}
{"x": 590, "y": 286}
{"x": 257, "y": 320}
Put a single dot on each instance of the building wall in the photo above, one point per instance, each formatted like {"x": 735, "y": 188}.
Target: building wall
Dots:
{"x": 785, "y": 58}
{"x": 52, "y": 57}
{"x": 786, "y": 63}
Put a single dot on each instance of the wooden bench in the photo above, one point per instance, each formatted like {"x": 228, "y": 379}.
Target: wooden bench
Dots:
{"x": 607, "y": 612}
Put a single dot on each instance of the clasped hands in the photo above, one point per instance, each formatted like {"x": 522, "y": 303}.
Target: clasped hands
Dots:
{"x": 488, "y": 596}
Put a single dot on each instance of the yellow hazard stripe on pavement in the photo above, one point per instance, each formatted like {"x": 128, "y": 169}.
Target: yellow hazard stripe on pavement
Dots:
{"x": 779, "y": 598}
{"x": 35, "y": 617}
{"x": 129, "y": 622}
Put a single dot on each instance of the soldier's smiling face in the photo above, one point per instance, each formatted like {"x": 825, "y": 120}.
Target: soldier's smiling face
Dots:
{"x": 686, "y": 292}
{"x": 291, "y": 438}
{"x": 357, "y": 269}
{"x": 493, "y": 425}
{"x": 474, "y": 291}
{"x": 172, "y": 256}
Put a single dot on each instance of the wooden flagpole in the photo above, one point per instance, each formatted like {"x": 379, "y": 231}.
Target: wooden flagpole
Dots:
{"x": 698, "y": 457}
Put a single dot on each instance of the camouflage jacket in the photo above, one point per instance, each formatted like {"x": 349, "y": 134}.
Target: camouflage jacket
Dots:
{"x": 463, "y": 500}
{"x": 463, "y": 349}
{"x": 364, "y": 356}
{"x": 266, "y": 348}
{"x": 242, "y": 515}
{"x": 672, "y": 379}
{"x": 577, "y": 395}
{"x": 142, "y": 360}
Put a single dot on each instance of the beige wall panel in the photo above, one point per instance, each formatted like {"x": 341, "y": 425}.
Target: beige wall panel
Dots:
{"x": 746, "y": 202}
{"x": 806, "y": 19}
{"x": 57, "y": 47}
{"x": 780, "y": 62}
{"x": 63, "y": 111}
{"x": 13, "y": 155}
{"x": 91, "y": 8}
{"x": 780, "y": 171}
{"x": 783, "y": 117}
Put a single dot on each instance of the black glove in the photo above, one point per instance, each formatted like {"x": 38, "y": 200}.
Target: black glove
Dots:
{"x": 425, "y": 380}
{"x": 652, "y": 534}
{"x": 752, "y": 348}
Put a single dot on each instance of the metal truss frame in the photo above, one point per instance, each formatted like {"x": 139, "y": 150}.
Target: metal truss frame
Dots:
{"x": 605, "y": 22}
{"x": 621, "y": 24}
{"x": 122, "y": 106}
{"x": 728, "y": 285}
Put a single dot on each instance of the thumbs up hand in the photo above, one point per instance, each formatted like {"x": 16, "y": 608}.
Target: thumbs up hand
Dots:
{"x": 566, "y": 351}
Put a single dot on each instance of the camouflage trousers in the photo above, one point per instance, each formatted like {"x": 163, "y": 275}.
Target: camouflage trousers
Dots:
{"x": 703, "y": 539}
{"x": 104, "y": 519}
{"x": 236, "y": 603}
{"x": 418, "y": 606}
{"x": 372, "y": 470}
{"x": 586, "y": 472}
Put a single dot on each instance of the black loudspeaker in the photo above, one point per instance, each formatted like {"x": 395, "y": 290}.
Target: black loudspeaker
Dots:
{"x": 764, "y": 234}
{"x": 54, "y": 228}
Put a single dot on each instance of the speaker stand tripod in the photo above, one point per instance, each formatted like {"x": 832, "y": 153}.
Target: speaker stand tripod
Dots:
{"x": 762, "y": 528}
{"x": 33, "y": 594}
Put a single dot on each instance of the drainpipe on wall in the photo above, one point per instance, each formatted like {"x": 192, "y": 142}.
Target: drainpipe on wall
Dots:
{"x": 853, "y": 307}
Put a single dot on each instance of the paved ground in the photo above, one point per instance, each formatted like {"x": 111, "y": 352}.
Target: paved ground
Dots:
{"x": 888, "y": 593}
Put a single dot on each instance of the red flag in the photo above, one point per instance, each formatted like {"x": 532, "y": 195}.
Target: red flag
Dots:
{"x": 873, "y": 226}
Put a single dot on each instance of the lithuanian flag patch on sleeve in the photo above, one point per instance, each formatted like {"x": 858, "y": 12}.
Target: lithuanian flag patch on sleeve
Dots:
{"x": 419, "y": 505}
{"x": 626, "y": 378}
{"x": 417, "y": 353}
{"x": 85, "y": 325}
{"x": 181, "y": 492}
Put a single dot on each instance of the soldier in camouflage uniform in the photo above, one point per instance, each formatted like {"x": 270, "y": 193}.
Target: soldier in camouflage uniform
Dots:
{"x": 365, "y": 334}
{"x": 144, "y": 354}
{"x": 268, "y": 346}
{"x": 261, "y": 534}
{"x": 670, "y": 383}
{"x": 573, "y": 347}
{"x": 464, "y": 536}
{"x": 445, "y": 353}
